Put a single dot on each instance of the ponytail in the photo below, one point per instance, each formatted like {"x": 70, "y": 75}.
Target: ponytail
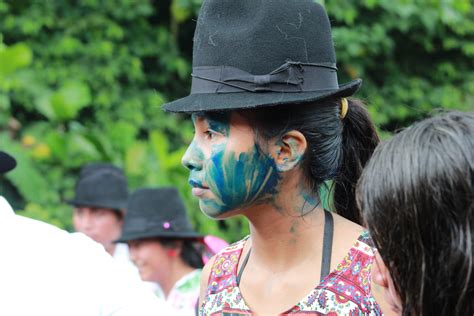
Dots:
{"x": 191, "y": 253}
{"x": 359, "y": 139}
{"x": 338, "y": 148}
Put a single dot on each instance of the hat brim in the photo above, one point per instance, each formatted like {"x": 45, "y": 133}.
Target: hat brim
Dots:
{"x": 147, "y": 235}
{"x": 204, "y": 102}
{"x": 7, "y": 162}
{"x": 79, "y": 203}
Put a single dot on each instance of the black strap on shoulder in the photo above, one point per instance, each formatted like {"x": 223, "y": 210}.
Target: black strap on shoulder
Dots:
{"x": 327, "y": 249}
{"x": 241, "y": 270}
{"x": 327, "y": 244}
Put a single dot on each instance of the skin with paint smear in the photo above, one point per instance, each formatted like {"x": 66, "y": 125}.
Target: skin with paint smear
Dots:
{"x": 236, "y": 171}
{"x": 227, "y": 165}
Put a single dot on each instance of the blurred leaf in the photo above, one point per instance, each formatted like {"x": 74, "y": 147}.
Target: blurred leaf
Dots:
{"x": 69, "y": 99}
{"x": 13, "y": 58}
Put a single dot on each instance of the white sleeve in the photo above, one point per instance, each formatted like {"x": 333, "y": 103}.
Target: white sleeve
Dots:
{"x": 119, "y": 291}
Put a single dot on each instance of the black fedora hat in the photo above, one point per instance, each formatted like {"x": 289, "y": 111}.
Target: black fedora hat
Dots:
{"x": 101, "y": 185}
{"x": 156, "y": 213}
{"x": 7, "y": 162}
{"x": 255, "y": 53}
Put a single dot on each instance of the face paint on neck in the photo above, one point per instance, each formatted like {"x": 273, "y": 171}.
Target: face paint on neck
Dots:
{"x": 310, "y": 202}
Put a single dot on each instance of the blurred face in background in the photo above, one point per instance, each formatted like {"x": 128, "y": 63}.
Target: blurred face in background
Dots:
{"x": 103, "y": 225}
{"x": 152, "y": 259}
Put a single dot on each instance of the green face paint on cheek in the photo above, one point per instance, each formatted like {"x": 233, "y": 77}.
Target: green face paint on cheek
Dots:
{"x": 238, "y": 180}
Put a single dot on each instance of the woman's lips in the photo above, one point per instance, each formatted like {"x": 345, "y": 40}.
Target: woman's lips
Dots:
{"x": 198, "y": 191}
{"x": 198, "y": 188}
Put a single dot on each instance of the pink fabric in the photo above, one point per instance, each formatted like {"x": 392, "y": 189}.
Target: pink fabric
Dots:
{"x": 213, "y": 245}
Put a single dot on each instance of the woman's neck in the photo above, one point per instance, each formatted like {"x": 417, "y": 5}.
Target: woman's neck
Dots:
{"x": 178, "y": 270}
{"x": 284, "y": 230}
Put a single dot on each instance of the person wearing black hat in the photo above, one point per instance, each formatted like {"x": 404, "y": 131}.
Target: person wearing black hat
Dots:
{"x": 164, "y": 246}
{"x": 47, "y": 271}
{"x": 272, "y": 127}
{"x": 99, "y": 205}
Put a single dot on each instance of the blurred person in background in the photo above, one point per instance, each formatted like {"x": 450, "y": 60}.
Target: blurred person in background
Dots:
{"x": 47, "y": 271}
{"x": 417, "y": 199}
{"x": 100, "y": 203}
{"x": 99, "y": 206}
{"x": 164, "y": 246}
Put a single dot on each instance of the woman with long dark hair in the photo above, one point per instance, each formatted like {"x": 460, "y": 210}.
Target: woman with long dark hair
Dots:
{"x": 417, "y": 197}
{"x": 272, "y": 126}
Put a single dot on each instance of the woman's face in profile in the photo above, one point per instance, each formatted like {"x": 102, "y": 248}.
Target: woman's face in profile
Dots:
{"x": 151, "y": 259}
{"x": 228, "y": 168}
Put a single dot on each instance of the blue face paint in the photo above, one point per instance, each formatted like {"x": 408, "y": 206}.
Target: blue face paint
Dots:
{"x": 239, "y": 180}
{"x": 236, "y": 180}
{"x": 219, "y": 122}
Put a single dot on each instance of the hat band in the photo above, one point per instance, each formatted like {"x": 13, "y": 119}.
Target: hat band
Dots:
{"x": 142, "y": 224}
{"x": 290, "y": 77}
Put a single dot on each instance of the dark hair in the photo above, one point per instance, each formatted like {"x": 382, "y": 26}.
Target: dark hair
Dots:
{"x": 191, "y": 250}
{"x": 417, "y": 197}
{"x": 338, "y": 148}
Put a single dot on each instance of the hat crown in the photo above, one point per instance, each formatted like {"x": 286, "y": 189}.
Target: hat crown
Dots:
{"x": 258, "y": 36}
{"x": 250, "y": 54}
{"x": 101, "y": 185}
{"x": 156, "y": 212}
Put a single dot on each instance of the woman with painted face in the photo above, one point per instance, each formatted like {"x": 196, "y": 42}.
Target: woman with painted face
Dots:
{"x": 417, "y": 197}
{"x": 164, "y": 246}
{"x": 272, "y": 127}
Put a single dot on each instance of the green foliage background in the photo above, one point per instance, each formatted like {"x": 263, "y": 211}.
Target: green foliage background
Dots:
{"x": 83, "y": 81}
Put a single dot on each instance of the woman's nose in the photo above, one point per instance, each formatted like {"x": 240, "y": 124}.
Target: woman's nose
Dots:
{"x": 192, "y": 158}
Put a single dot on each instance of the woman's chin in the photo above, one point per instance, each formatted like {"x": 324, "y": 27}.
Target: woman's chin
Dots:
{"x": 214, "y": 210}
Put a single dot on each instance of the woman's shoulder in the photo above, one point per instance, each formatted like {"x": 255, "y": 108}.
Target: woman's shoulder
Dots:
{"x": 347, "y": 232}
{"x": 236, "y": 246}
{"x": 222, "y": 264}
{"x": 349, "y": 239}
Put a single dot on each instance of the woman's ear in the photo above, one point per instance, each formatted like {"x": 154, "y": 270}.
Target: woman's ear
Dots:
{"x": 288, "y": 151}
{"x": 380, "y": 272}
{"x": 381, "y": 277}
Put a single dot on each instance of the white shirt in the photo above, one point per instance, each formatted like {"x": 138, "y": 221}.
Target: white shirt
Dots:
{"x": 122, "y": 256}
{"x": 47, "y": 271}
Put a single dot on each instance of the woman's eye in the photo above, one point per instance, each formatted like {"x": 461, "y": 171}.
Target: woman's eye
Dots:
{"x": 209, "y": 134}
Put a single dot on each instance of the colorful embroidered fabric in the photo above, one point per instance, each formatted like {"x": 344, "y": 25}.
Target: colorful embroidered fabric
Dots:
{"x": 345, "y": 291}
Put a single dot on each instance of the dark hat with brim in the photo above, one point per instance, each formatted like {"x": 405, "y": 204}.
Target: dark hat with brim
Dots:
{"x": 101, "y": 185}
{"x": 7, "y": 162}
{"x": 156, "y": 213}
{"x": 249, "y": 100}
{"x": 261, "y": 53}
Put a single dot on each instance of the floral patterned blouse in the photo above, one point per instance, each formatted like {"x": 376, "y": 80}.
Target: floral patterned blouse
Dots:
{"x": 345, "y": 291}
{"x": 185, "y": 293}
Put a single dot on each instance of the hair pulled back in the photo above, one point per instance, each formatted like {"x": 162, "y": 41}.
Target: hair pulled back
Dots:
{"x": 417, "y": 197}
{"x": 338, "y": 148}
